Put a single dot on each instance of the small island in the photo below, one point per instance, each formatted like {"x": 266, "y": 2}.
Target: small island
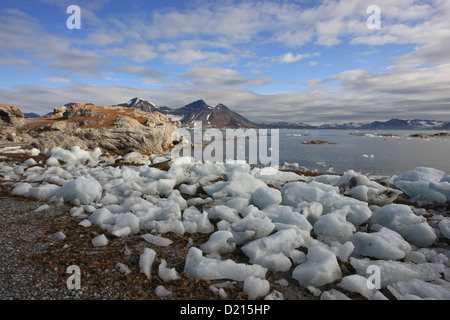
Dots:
{"x": 318, "y": 142}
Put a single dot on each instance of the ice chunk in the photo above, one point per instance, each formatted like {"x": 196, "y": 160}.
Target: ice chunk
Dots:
{"x": 358, "y": 211}
{"x": 85, "y": 223}
{"x": 162, "y": 292}
{"x": 358, "y": 284}
{"x": 167, "y": 274}
{"x": 238, "y": 184}
{"x": 81, "y": 191}
{"x": 273, "y": 251}
{"x": 75, "y": 156}
{"x": 123, "y": 268}
{"x": 194, "y": 221}
{"x": 312, "y": 211}
{"x": 295, "y": 219}
{"x": 422, "y": 289}
{"x": 219, "y": 243}
{"x": 275, "y": 177}
{"x": 297, "y": 256}
{"x": 30, "y": 162}
{"x": 189, "y": 189}
{"x": 255, "y": 287}
{"x": 442, "y": 187}
{"x": 203, "y": 268}
{"x": 175, "y": 226}
{"x": 333, "y": 294}
{"x": 58, "y": 236}
{"x": 146, "y": 261}
{"x": 294, "y": 193}
{"x": 264, "y": 196}
{"x": 238, "y": 203}
{"x": 384, "y": 244}
{"x": 159, "y": 187}
{"x": 136, "y": 158}
{"x": 43, "y": 191}
{"x": 261, "y": 227}
{"x": 401, "y": 219}
{"x": 102, "y": 218}
{"x": 416, "y": 184}
{"x": 223, "y": 212}
{"x": 42, "y": 208}
{"x": 157, "y": 240}
{"x": 342, "y": 251}
{"x": 444, "y": 226}
{"x": 100, "y": 241}
{"x": 394, "y": 271}
{"x": 125, "y": 224}
{"x": 334, "y": 226}
{"x": 327, "y": 179}
{"x": 320, "y": 268}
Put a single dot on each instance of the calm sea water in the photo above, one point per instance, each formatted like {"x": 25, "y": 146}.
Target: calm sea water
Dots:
{"x": 377, "y": 152}
{"x": 394, "y": 151}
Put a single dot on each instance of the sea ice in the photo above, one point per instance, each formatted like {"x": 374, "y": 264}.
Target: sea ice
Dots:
{"x": 421, "y": 289}
{"x": 272, "y": 252}
{"x": 394, "y": 271}
{"x": 157, "y": 240}
{"x": 100, "y": 241}
{"x": 416, "y": 184}
{"x": 358, "y": 284}
{"x": 401, "y": 219}
{"x": 80, "y": 191}
{"x": 219, "y": 243}
{"x": 320, "y": 268}
{"x": 194, "y": 221}
{"x": 123, "y": 268}
{"x": 334, "y": 226}
{"x": 261, "y": 227}
{"x": 75, "y": 156}
{"x": 162, "y": 292}
{"x": 255, "y": 287}
{"x": 165, "y": 273}
{"x": 385, "y": 244}
{"x": 202, "y": 268}
{"x": 444, "y": 226}
{"x": 146, "y": 261}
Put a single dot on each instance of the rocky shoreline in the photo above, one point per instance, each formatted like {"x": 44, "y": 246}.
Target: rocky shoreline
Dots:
{"x": 37, "y": 256}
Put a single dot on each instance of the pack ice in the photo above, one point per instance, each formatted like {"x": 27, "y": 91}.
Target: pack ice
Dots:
{"x": 309, "y": 228}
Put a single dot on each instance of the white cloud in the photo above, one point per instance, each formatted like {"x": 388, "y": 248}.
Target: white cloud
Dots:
{"x": 138, "y": 52}
{"x": 290, "y": 58}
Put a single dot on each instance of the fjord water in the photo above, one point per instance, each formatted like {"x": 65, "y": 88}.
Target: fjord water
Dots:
{"x": 394, "y": 151}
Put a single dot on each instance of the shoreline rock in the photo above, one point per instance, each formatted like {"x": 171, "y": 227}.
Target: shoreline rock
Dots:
{"x": 117, "y": 130}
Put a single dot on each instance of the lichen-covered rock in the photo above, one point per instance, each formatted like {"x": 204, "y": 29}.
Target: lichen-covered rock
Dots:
{"x": 10, "y": 114}
{"x": 117, "y": 130}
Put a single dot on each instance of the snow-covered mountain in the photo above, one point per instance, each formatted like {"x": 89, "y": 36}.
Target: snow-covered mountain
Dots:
{"x": 393, "y": 124}
{"x": 348, "y": 125}
{"x": 144, "y": 105}
{"x": 218, "y": 116}
{"x": 404, "y": 124}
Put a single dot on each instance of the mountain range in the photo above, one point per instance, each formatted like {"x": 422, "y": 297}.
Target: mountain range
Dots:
{"x": 220, "y": 116}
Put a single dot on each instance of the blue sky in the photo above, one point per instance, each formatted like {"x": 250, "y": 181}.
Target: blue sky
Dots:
{"x": 299, "y": 61}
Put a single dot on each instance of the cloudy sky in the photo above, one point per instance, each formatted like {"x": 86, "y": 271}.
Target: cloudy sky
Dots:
{"x": 299, "y": 61}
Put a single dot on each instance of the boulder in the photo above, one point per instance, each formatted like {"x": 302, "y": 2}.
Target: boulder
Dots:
{"x": 114, "y": 129}
{"x": 10, "y": 115}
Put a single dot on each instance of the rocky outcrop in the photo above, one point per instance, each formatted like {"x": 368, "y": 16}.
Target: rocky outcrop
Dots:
{"x": 114, "y": 129}
{"x": 10, "y": 115}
